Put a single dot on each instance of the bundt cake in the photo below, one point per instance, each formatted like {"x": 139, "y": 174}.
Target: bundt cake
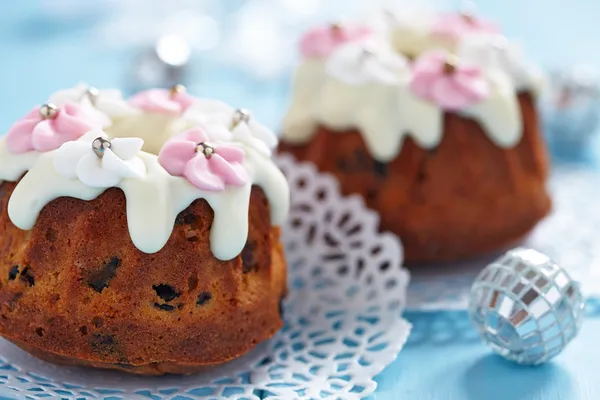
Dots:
{"x": 433, "y": 120}
{"x": 140, "y": 235}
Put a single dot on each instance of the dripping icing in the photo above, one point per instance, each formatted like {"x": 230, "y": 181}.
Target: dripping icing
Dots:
{"x": 154, "y": 198}
{"x": 386, "y": 111}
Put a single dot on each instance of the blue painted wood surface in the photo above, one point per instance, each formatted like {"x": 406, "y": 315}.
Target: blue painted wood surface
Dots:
{"x": 443, "y": 358}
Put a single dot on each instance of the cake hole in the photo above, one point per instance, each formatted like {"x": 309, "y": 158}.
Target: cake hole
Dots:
{"x": 54, "y": 298}
{"x": 342, "y": 165}
{"x": 421, "y": 175}
{"x": 164, "y": 307}
{"x": 380, "y": 169}
{"x": 100, "y": 279}
{"x": 385, "y": 266}
{"x": 192, "y": 283}
{"x": 83, "y": 330}
{"x": 97, "y": 322}
{"x": 186, "y": 217}
{"x": 27, "y": 277}
{"x": 180, "y": 306}
{"x": 104, "y": 344}
{"x": 39, "y": 331}
{"x": 361, "y": 156}
{"x": 51, "y": 235}
{"x": 203, "y": 298}
{"x": 13, "y": 273}
{"x": 165, "y": 292}
{"x": 248, "y": 261}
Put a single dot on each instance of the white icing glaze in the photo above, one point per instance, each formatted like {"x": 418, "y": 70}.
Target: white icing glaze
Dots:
{"x": 376, "y": 99}
{"x": 154, "y": 198}
{"x": 13, "y": 166}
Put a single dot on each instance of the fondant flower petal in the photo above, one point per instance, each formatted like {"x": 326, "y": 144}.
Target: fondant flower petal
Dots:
{"x": 322, "y": 41}
{"x": 451, "y": 88}
{"x": 91, "y": 173}
{"x": 73, "y": 122}
{"x": 230, "y": 173}
{"x": 199, "y": 174}
{"x": 219, "y": 131}
{"x": 71, "y": 95}
{"x": 475, "y": 85}
{"x": 45, "y": 138}
{"x": 122, "y": 168}
{"x": 448, "y": 94}
{"x": 126, "y": 148}
{"x": 230, "y": 153}
{"x": 162, "y": 101}
{"x": 196, "y": 135}
{"x": 18, "y": 138}
{"x": 421, "y": 87}
{"x": 455, "y": 26}
{"x": 68, "y": 156}
{"x": 430, "y": 62}
{"x": 175, "y": 155}
{"x": 184, "y": 100}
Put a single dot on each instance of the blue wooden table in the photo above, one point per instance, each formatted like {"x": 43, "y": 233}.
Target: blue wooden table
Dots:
{"x": 443, "y": 358}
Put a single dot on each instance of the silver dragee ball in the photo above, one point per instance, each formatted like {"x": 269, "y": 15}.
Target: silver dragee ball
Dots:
{"x": 99, "y": 145}
{"x": 240, "y": 115}
{"x": 48, "y": 111}
{"x": 526, "y": 307}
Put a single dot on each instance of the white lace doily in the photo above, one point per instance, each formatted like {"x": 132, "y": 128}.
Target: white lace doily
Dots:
{"x": 570, "y": 236}
{"x": 343, "y": 318}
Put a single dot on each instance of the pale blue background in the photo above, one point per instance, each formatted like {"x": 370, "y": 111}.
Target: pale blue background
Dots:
{"x": 443, "y": 358}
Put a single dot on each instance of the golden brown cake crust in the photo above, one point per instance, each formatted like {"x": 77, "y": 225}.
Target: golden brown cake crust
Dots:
{"x": 464, "y": 198}
{"x": 75, "y": 290}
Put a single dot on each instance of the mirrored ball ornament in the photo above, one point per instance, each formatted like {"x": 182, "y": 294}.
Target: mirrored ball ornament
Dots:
{"x": 526, "y": 307}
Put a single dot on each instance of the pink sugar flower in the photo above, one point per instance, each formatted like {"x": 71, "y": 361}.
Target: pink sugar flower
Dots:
{"x": 205, "y": 166}
{"x": 454, "y": 26}
{"x": 47, "y": 128}
{"x": 321, "y": 42}
{"x": 443, "y": 80}
{"x": 162, "y": 101}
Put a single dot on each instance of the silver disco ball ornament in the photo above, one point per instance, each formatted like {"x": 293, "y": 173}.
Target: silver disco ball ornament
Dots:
{"x": 526, "y": 307}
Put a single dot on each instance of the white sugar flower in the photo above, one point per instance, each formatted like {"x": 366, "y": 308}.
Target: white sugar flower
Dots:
{"x": 99, "y": 162}
{"x": 493, "y": 51}
{"x": 101, "y": 104}
{"x": 222, "y": 123}
{"x": 367, "y": 61}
